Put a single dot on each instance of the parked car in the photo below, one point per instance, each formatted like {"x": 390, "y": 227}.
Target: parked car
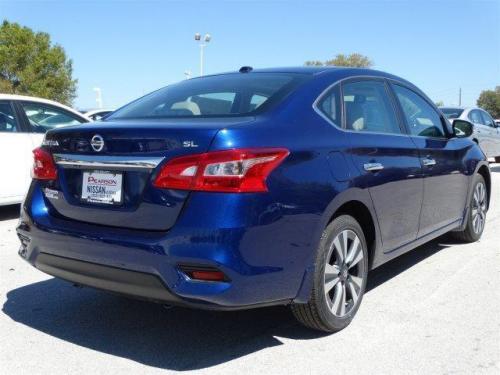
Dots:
{"x": 23, "y": 123}
{"x": 486, "y": 130}
{"x": 254, "y": 188}
{"x": 97, "y": 114}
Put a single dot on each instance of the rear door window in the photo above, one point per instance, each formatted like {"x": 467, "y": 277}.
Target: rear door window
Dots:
{"x": 8, "y": 120}
{"x": 368, "y": 108}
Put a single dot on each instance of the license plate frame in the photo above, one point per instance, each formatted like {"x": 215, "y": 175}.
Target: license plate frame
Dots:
{"x": 102, "y": 190}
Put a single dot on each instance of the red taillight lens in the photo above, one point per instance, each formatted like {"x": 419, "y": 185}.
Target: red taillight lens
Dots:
{"x": 240, "y": 170}
{"x": 44, "y": 167}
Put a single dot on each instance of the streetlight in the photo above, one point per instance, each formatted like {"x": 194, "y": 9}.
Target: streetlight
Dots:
{"x": 98, "y": 94}
{"x": 203, "y": 44}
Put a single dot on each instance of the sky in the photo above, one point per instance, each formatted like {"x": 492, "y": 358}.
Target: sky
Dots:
{"x": 129, "y": 48}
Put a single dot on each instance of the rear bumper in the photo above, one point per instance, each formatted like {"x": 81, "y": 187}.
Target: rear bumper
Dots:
{"x": 260, "y": 270}
{"x": 130, "y": 283}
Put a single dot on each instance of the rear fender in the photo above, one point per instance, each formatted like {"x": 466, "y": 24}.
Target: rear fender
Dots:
{"x": 353, "y": 194}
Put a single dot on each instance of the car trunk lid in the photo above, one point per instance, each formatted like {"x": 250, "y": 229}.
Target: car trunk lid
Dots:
{"x": 105, "y": 171}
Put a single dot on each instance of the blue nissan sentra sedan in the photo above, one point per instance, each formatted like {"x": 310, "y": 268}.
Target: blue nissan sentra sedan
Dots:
{"x": 254, "y": 188}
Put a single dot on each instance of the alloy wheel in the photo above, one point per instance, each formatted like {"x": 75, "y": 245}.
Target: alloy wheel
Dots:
{"x": 344, "y": 270}
{"x": 479, "y": 208}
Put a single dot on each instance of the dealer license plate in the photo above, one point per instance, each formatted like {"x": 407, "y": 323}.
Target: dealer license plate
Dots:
{"x": 102, "y": 187}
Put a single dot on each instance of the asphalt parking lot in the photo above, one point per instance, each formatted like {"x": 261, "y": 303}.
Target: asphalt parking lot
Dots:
{"x": 435, "y": 310}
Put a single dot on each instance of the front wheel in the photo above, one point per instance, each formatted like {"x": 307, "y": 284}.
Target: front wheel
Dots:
{"x": 339, "y": 278}
{"x": 476, "y": 217}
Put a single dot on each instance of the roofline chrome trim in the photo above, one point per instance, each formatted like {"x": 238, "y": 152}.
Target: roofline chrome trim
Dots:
{"x": 107, "y": 162}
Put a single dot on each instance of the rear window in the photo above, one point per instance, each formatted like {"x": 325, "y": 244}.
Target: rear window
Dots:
{"x": 451, "y": 113}
{"x": 227, "y": 95}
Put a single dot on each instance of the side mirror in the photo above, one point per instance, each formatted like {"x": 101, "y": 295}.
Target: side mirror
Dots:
{"x": 462, "y": 128}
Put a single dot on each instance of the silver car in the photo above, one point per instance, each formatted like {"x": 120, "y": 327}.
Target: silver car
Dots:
{"x": 486, "y": 130}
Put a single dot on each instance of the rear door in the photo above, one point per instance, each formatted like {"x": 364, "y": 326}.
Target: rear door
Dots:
{"x": 15, "y": 155}
{"x": 386, "y": 158}
{"x": 443, "y": 161}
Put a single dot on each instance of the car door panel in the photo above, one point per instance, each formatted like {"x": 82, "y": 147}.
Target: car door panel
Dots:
{"x": 387, "y": 160}
{"x": 445, "y": 178}
{"x": 445, "y": 182}
{"x": 493, "y": 134}
{"x": 397, "y": 189}
{"x": 15, "y": 153}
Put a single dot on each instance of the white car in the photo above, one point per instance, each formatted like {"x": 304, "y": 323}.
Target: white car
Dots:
{"x": 23, "y": 123}
{"x": 97, "y": 114}
{"x": 486, "y": 130}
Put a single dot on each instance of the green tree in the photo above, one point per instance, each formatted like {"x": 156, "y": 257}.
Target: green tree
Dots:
{"x": 439, "y": 103}
{"x": 31, "y": 65}
{"x": 490, "y": 101}
{"x": 356, "y": 60}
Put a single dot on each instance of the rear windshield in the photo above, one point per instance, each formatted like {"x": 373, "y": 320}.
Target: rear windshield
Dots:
{"x": 228, "y": 95}
{"x": 452, "y": 112}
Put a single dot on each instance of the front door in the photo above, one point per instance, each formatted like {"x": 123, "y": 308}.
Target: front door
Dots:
{"x": 442, "y": 159}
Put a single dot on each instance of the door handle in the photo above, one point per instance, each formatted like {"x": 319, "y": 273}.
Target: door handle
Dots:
{"x": 427, "y": 162}
{"x": 373, "y": 167}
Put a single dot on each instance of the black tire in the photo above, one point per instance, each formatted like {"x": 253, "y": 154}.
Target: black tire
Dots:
{"x": 319, "y": 313}
{"x": 470, "y": 233}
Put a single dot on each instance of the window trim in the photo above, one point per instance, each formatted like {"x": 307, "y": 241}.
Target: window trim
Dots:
{"x": 444, "y": 124}
{"x": 342, "y": 127}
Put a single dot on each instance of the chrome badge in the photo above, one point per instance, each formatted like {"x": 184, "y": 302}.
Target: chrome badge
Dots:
{"x": 97, "y": 143}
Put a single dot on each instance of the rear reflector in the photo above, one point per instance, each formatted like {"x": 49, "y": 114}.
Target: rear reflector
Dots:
{"x": 203, "y": 273}
{"x": 207, "y": 275}
{"x": 238, "y": 171}
{"x": 44, "y": 167}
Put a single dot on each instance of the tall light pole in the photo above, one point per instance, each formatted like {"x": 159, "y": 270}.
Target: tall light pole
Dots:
{"x": 202, "y": 44}
{"x": 98, "y": 96}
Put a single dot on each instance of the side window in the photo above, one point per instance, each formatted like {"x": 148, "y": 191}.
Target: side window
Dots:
{"x": 256, "y": 101}
{"x": 8, "y": 121}
{"x": 475, "y": 117}
{"x": 487, "y": 119}
{"x": 330, "y": 106}
{"x": 422, "y": 119}
{"x": 43, "y": 117}
{"x": 368, "y": 108}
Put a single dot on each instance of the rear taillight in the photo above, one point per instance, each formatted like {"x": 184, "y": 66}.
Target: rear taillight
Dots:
{"x": 240, "y": 170}
{"x": 44, "y": 167}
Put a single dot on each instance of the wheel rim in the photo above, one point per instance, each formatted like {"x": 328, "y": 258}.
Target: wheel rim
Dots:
{"x": 344, "y": 270}
{"x": 479, "y": 208}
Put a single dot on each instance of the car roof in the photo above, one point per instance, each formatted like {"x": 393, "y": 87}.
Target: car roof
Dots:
{"x": 332, "y": 72}
{"x": 41, "y": 100}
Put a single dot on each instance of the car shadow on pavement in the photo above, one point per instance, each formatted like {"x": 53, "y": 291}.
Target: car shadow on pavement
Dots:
{"x": 9, "y": 212}
{"x": 177, "y": 338}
